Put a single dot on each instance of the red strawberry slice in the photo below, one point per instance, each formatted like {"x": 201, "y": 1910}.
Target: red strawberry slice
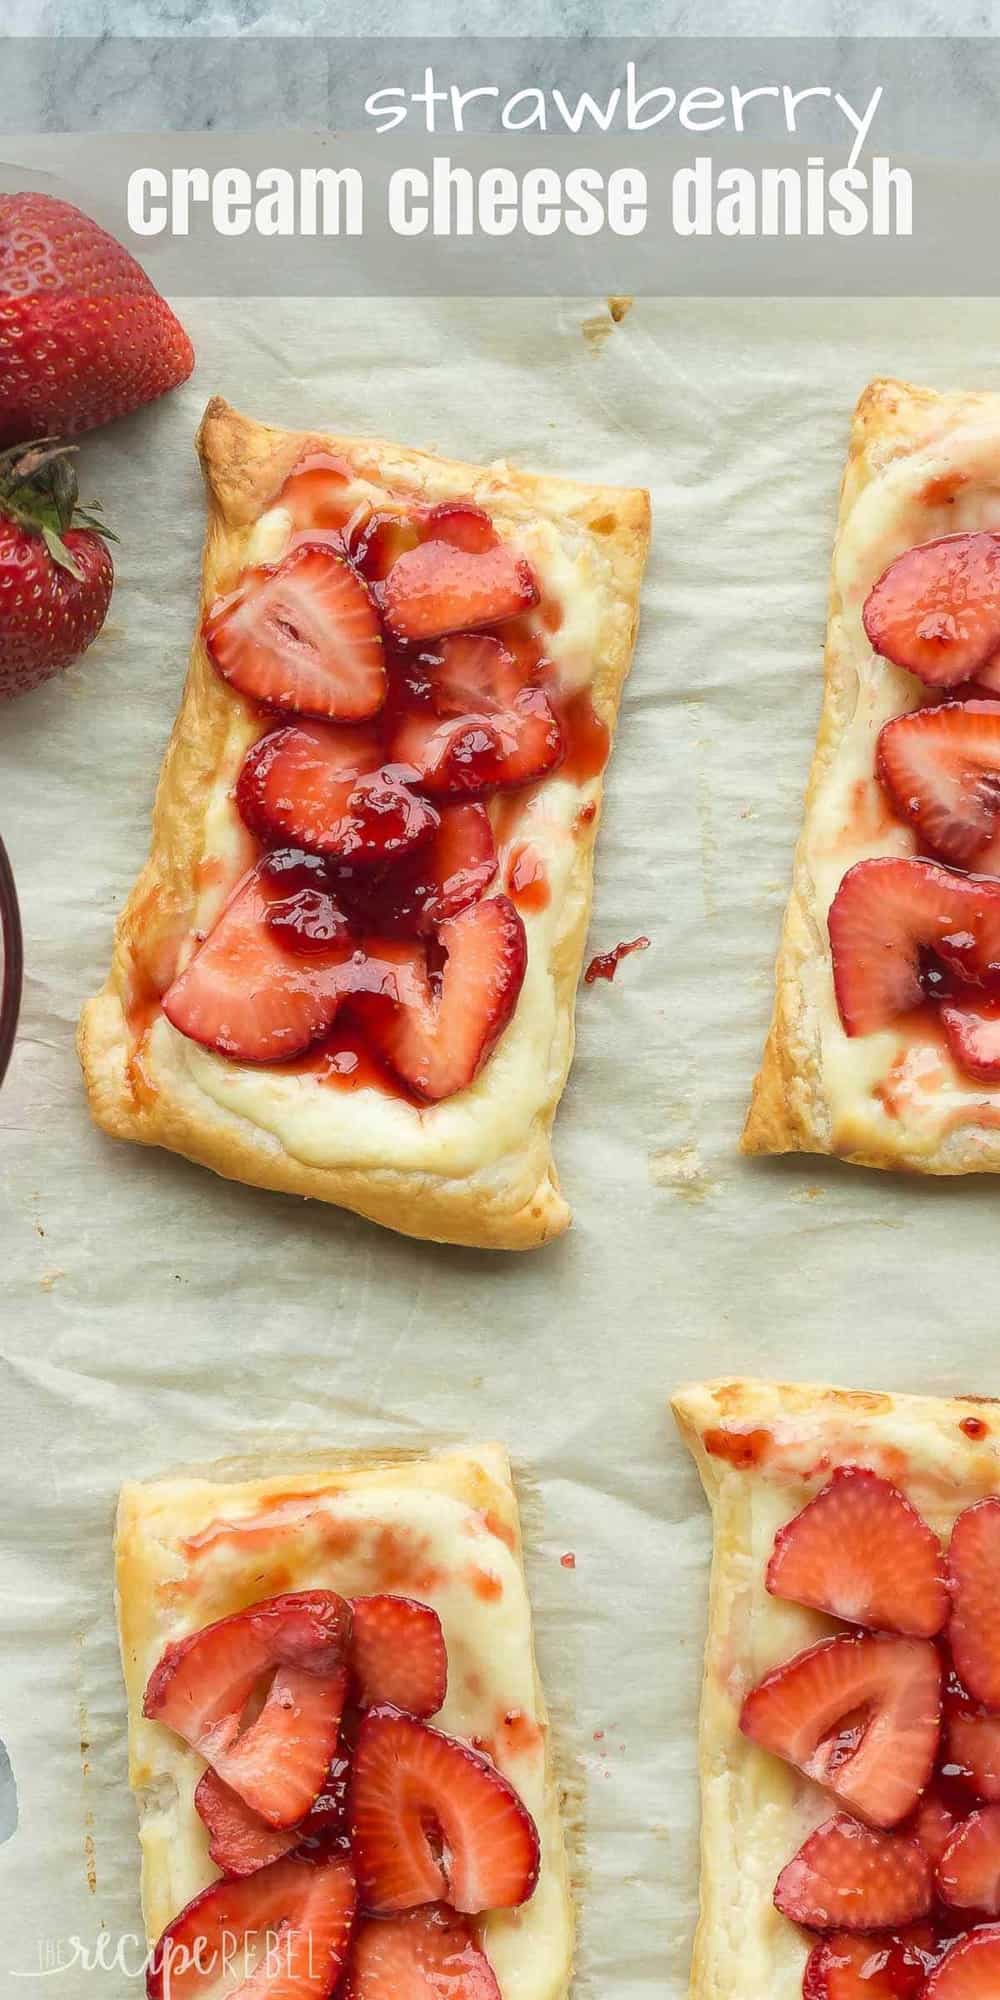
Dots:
{"x": 239, "y": 1841}
{"x": 203, "y": 1684}
{"x": 859, "y": 1714}
{"x": 941, "y": 770}
{"x": 448, "y": 872}
{"x": 972, "y": 1738}
{"x": 302, "y": 634}
{"x": 312, "y": 786}
{"x": 245, "y": 993}
{"x": 936, "y": 609}
{"x": 427, "y": 1954}
{"x": 437, "y": 588}
{"x": 286, "y": 1929}
{"x": 970, "y": 1969}
{"x": 972, "y": 1031}
{"x": 968, "y": 1873}
{"x": 891, "y": 1966}
{"x": 432, "y": 1820}
{"x": 861, "y": 1552}
{"x": 440, "y": 1039}
{"x": 398, "y": 1654}
{"x": 472, "y": 673}
{"x": 461, "y": 523}
{"x": 485, "y": 730}
{"x": 848, "y": 1877}
{"x": 973, "y": 1576}
{"x": 933, "y": 1824}
{"x": 888, "y": 918}
{"x": 451, "y": 759}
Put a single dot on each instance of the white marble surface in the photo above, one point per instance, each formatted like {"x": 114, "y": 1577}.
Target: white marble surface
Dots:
{"x": 503, "y": 17}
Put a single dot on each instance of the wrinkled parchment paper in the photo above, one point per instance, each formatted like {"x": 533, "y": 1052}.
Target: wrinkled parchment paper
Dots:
{"x": 154, "y": 1316}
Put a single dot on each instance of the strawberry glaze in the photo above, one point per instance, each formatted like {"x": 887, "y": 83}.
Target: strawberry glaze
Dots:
{"x": 527, "y": 881}
{"x": 740, "y": 1448}
{"x": 606, "y": 963}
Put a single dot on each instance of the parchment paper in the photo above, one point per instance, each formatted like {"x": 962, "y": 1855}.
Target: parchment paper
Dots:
{"x": 154, "y": 1316}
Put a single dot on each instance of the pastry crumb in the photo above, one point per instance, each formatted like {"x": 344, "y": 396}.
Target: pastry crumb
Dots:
{"x": 681, "y": 1168}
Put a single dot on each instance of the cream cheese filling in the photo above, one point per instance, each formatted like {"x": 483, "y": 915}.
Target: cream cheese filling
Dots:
{"x": 897, "y": 1090}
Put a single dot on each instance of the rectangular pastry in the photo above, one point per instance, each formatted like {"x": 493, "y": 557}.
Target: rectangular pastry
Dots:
{"x": 849, "y": 1742}
{"x": 884, "y": 1046}
{"x": 393, "y": 1802}
{"x": 348, "y": 969}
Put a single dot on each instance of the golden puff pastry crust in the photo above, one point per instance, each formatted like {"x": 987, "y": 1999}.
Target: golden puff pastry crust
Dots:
{"x": 920, "y": 465}
{"x": 477, "y": 1169}
{"x": 441, "y": 1527}
{"x": 763, "y": 1449}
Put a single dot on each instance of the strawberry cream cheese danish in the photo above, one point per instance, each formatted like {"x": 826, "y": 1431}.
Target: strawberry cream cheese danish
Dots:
{"x": 337, "y": 1737}
{"x": 885, "y": 1042}
{"x": 850, "y": 1720}
{"x": 348, "y": 969}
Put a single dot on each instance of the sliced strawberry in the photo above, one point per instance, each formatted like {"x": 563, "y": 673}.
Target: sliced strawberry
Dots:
{"x": 203, "y": 1684}
{"x": 432, "y": 1820}
{"x": 848, "y": 1877}
{"x": 972, "y": 1740}
{"x": 452, "y": 759}
{"x": 973, "y": 1575}
{"x": 933, "y": 1824}
{"x": 970, "y": 1969}
{"x": 447, "y": 873}
{"x": 437, "y": 588}
{"x": 891, "y": 1966}
{"x": 936, "y": 609}
{"x": 968, "y": 1873}
{"x": 472, "y": 673}
{"x": 889, "y": 918}
{"x": 941, "y": 769}
{"x": 860, "y": 1551}
{"x": 286, "y": 1929}
{"x": 380, "y": 541}
{"x": 245, "y": 993}
{"x": 312, "y": 786}
{"x": 461, "y": 523}
{"x": 302, "y": 634}
{"x": 972, "y": 1031}
{"x": 313, "y": 494}
{"x": 239, "y": 1841}
{"x": 398, "y": 1654}
{"x": 859, "y": 1714}
{"x": 438, "y": 1043}
{"x": 483, "y": 730}
{"x": 427, "y": 1954}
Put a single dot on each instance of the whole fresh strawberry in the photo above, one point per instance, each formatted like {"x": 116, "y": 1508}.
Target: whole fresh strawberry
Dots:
{"x": 56, "y": 573}
{"x": 84, "y": 336}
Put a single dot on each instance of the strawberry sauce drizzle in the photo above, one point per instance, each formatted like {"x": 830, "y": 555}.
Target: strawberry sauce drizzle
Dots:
{"x": 606, "y": 963}
{"x": 974, "y": 1428}
{"x": 317, "y": 496}
{"x": 527, "y": 881}
{"x": 740, "y": 1448}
